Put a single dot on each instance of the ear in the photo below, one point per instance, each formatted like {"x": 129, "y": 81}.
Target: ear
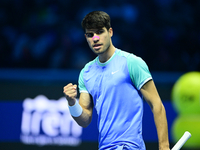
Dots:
{"x": 111, "y": 32}
{"x": 85, "y": 37}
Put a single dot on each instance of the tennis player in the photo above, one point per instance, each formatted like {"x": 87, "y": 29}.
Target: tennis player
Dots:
{"x": 115, "y": 83}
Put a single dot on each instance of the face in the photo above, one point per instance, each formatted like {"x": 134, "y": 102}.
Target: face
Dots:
{"x": 99, "y": 40}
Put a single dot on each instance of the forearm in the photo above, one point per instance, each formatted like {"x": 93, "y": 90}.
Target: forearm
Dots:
{"x": 84, "y": 119}
{"x": 80, "y": 114}
{"x": 80, "y": 110}
{"x": 161, "y": 126}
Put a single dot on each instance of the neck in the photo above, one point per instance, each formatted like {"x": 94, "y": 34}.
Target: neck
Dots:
{"x": 107, "y": 54}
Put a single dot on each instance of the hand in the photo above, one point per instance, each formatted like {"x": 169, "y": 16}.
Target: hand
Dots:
{"x": 70, "y": 92}
{"x": 164, "y": 147}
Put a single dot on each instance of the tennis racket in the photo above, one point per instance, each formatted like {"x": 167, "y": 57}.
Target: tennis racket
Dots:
{"x": 182, "y": 141}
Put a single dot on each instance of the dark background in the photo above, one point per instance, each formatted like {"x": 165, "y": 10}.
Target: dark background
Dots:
{"x": 48, "y": 34}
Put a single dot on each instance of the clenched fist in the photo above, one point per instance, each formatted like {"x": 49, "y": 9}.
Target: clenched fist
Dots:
{"x": 70, "y": 92}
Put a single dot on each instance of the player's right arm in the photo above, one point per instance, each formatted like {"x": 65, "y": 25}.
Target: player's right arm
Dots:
{"x": 85, "y": 101}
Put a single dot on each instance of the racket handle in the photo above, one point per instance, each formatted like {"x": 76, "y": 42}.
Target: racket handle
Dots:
{"x": 182, "y": 141}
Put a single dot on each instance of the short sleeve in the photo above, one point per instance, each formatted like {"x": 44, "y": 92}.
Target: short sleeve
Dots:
{"x": 81, "y": 84}
{"x": 138, "y": 70}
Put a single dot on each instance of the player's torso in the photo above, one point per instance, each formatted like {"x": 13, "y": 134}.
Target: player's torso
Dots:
{"x": 116, "y": 100}
{"x": 105, "y": 79}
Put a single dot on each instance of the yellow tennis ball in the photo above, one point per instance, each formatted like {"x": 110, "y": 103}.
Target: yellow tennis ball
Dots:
{"x": 186, "y": 93}
{"x": 189, "y": 123}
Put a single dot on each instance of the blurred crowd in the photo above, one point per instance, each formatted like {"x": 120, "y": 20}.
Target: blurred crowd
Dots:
{"x": 48, "y": 33}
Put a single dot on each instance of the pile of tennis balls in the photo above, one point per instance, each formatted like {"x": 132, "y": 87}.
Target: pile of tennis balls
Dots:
{"x": 186, "y": 101}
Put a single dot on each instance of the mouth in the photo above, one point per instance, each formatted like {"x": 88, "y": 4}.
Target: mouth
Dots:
{"x": 97, "y": 46}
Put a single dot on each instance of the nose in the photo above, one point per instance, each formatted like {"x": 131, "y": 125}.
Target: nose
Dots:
{"x": 95, "y": 37}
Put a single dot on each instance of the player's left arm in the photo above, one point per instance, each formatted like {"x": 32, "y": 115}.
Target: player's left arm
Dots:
{"x": 152, "y": 97}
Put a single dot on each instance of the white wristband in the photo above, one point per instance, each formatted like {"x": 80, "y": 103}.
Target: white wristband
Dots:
{"x": 75, "y": 110}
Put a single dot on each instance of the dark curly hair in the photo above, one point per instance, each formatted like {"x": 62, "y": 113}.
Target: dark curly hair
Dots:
{"x": 96, "y": 20}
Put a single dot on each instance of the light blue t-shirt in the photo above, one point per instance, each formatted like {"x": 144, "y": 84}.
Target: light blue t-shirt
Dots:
{"x": 114, "y": 87}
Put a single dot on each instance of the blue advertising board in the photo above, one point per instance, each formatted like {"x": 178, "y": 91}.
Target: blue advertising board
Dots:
{"x": 34, "y": 115}
{"x": 42, "y": 121}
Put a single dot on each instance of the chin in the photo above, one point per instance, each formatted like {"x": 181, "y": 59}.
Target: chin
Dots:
{"x": 99, "y": 51}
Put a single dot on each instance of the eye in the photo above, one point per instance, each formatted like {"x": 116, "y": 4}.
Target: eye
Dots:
{"x": 89, "y": 34}
{"x": 99, "y": 31}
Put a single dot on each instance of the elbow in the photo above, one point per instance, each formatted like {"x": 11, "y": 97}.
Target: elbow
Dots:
{"x": 157, "y": 108}
{"x": 84, "y": 124}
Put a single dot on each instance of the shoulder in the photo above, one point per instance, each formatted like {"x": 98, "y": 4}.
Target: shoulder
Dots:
{"x": 122, "y": 53}
{"x": 89, "y": 65}
{"x": 84, "y": 74}
{"x": 129, "y": 56}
